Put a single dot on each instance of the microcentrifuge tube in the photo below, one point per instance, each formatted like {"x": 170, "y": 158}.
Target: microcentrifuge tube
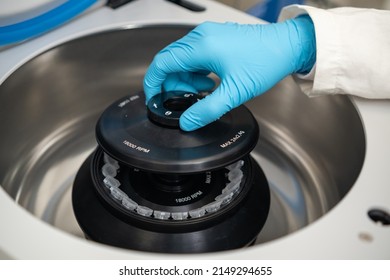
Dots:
{"x": 109, "y": 170}
{"x": 111, "y": 182}
{"x": 117, "y": 193}
{"x": 213, "y": 206}
{"x": 144, "y": 211}
{"x": 179, "y": 215}
{"x": 129, "y": 203}
{"x": 161, "y": 215}
{"x": 196, "y": 213}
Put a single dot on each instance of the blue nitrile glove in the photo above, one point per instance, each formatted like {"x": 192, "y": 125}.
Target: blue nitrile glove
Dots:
{"x": 248, "y": 59}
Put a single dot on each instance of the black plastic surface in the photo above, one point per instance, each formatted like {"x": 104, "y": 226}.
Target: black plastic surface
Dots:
{"x": 125, "y": 132}
{"x": 114, "y": 4}
{"x": 188, "y": 5}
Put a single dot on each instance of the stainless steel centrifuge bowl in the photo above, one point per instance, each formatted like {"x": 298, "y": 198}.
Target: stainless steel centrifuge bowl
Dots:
{"x": 311, "y": 149}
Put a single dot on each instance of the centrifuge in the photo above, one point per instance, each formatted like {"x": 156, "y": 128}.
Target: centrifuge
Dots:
{"x": 284, "y": 176}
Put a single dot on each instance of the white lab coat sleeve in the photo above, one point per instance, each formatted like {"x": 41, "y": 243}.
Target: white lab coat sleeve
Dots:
{"x": 353, "y": 51}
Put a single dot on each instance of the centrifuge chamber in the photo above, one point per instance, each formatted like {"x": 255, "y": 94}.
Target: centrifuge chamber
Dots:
{"x": 312, "y": 150}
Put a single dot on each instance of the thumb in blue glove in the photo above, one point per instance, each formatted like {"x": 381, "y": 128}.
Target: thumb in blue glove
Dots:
{"x": 248, "y": 59}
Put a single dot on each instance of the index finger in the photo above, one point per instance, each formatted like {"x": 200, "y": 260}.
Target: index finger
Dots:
{"x": 177, "y": 57}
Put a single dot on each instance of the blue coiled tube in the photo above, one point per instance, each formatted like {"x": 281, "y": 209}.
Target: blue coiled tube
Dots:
{"x": 33, "y": 27}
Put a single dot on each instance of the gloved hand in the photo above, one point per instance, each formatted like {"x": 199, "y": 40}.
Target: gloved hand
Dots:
{"x": 248, "y": 59}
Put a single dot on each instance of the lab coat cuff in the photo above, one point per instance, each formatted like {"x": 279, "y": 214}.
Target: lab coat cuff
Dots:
{"x": 319, "y": 81}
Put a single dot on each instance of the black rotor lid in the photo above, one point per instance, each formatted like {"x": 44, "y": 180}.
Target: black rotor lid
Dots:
{"x": 149, "y": 138}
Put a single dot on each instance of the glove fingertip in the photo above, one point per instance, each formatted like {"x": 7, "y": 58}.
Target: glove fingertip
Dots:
{"x": 188, "y": 123}
{"x": 201, "y": 113}
{"x": 150, "y": 91}
{"x": 149, "y": 95}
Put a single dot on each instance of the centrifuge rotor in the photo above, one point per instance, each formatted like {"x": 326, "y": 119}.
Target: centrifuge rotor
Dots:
{"x": 150, "y": 186}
